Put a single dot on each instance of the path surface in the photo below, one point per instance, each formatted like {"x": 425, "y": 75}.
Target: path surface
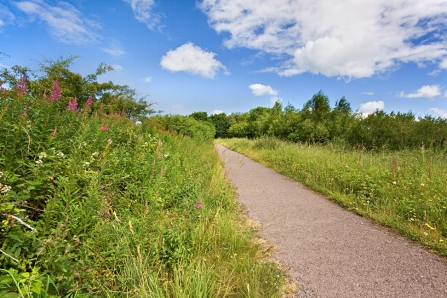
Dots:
{"x": 331, "y": 252}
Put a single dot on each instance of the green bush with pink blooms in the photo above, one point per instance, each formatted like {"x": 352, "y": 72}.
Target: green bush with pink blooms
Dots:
{"x": 94, "y": 203}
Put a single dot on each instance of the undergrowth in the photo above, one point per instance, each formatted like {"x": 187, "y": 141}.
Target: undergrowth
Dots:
{"x": 94, "y": 205}
{"x": 404, "y": 190}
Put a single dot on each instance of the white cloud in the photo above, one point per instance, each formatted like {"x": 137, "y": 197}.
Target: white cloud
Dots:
{"x": 367, "y": 93}
{"x": 192, "y": 59}
{"x": 426, "y": 91}
{"x": 142, "y": 12}
{"x": 217, "y": 112}
{"x": 6, "y": 17}
{"x": 445, "y": 93}
{"x": 443, "y": 64}
{"x": 259, "y": 90}
{"x": 370, "y": 107}
{"x": 348, "y": 38}
{"x": 65, "y": 22}
{"x": 117, "y": 67}
{"x": 147, "y": 79}
{"x": 440, "y": 112}
{"x": 275, "y": 99}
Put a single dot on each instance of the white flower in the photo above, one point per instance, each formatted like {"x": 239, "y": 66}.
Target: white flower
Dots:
{"x": 60, "y": 154}
{"x": 422, "y": 184}
{"x": 425, "y": 233}
{"x": 1, "y": 174}
{"x": 86, "y": 164}
{"x": 394, "y": 182}
{"x": 4, "y": 189}
{"x": 84, "y": 144}
{"x": 95, "y": 154}
{"x": 42, "y": 155}
{"x": 38, "y": 162}
{"x": 166, "y": 155}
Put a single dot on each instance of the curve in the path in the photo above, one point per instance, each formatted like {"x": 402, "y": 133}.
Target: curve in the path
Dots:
{"x": 330, "y": 251}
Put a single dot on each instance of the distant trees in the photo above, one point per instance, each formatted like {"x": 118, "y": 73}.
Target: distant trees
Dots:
{"x": 317, "y": 122}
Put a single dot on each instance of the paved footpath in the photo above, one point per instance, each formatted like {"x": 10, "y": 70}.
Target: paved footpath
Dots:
{"x": 331, "y": 252}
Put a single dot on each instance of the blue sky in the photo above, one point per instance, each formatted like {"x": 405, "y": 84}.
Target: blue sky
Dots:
{"x": 235, "y": 55}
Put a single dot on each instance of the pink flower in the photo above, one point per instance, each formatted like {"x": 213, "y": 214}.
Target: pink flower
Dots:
{"x": 21, "y": 86}
{"x": 56, "y": 91}
{"x": 72, "y": 105}
{"x": 89, "y": 101}
{"x": 198, "y": 205}
{"x": 105, "y": 127}
{"x": 25, "y": 114}
{"x": 53, "y": 134}
{"x": 45, "y": 93}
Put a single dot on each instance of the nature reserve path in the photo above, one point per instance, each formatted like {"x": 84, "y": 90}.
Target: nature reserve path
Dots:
{"x": 330, "y": 251}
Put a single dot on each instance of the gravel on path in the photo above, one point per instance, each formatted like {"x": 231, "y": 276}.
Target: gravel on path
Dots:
{"x": 331, "y": 252}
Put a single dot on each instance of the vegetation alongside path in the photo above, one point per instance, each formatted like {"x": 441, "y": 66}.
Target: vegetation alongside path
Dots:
{"x": 93, "y": 204}
{"x": 404, "y": 190}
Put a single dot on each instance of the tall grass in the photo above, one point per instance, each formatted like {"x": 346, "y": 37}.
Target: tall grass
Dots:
{"x": 404, "y": 190}
{"x": 93, "y": 205}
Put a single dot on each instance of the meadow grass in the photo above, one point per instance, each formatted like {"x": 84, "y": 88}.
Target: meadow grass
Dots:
{"x": 94, "y": 205}
{"x": 403, "y": 190}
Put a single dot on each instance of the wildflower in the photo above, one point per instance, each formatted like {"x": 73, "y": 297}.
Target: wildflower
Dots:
{"x": 42, "y": 155}
{"x": 60, "y": 154}
{"x": 21, "y": 86}
{"x": 105, "y": 127}
{"x": 5, "y": 189}
{"x": 39, "y": 162}
{"x": 425, "y": 233}
{"x": 53, "y": 134}
{"x": 56, "y": 91}
{"x": 45, "y": 93}
{"x": 198, "y": 205}
{"x": 25, "y": 112}
{"x": 89, "y": 101}
{"x": 72, "y": 105}
{"x": 1, "y": 174}
{"x": 95, "y": 154}
{"x": 101, "y": 107}
{"x": 422, "y": 184}
{"x": 86, "y": 164}
{"x": 83, "y": 144}
{"x": 394, "y": 182}
{"x": 166, "y": 155}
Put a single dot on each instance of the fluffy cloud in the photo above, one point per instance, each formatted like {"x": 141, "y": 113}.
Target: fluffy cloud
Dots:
{"x": 370, "y": 107}
{"x": 64, "y": 21}
{"x": 259, "y": 90}
{"x": 142, "y": 12}
{"x": 348, "y": 38}
{"x": 217, "y": 112}
{"x": 440, "y": 112}
{"x": 426, "y": 91}
{"x": 67, "y": 24}
{"x": 192, "y": 59}
{"x": 6, "y": 17}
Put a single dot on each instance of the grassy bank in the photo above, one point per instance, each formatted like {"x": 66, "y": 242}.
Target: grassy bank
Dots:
{"x": 93, "y": 205}
{"x": 404, "y": 190}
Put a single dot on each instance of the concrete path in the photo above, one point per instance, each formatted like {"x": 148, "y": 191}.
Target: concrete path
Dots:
{"x": 331, "y": 252}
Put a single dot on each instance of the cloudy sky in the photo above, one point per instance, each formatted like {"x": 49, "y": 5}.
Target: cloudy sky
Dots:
{"x": 235, "y": 55}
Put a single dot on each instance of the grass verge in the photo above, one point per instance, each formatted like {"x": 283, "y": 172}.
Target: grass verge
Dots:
{"x": 403, "y": 190}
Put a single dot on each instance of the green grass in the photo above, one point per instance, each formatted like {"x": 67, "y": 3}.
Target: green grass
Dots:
{"x": 119, "y": 210}
{"x": 403, "y": 190}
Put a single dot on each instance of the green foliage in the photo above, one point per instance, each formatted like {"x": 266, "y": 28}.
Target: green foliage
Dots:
{"x": 94, "y": 205}
{"x": 404, "y": 190}
{"x": 188, "y": 126}
{"x": 113, "y": 98}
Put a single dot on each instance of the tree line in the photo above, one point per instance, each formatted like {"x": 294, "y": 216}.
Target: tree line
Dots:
{"x": 318, "y": 122}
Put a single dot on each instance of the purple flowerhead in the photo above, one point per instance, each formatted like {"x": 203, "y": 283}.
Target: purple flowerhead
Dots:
{"x": 72, "y": 105}
{"x": 56, "y": 91}
{"x": 198, "y": 205}
{"x": 105, "y": 127}
{"x": 21, "y": 86}
{"x": 89, "y": 101}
